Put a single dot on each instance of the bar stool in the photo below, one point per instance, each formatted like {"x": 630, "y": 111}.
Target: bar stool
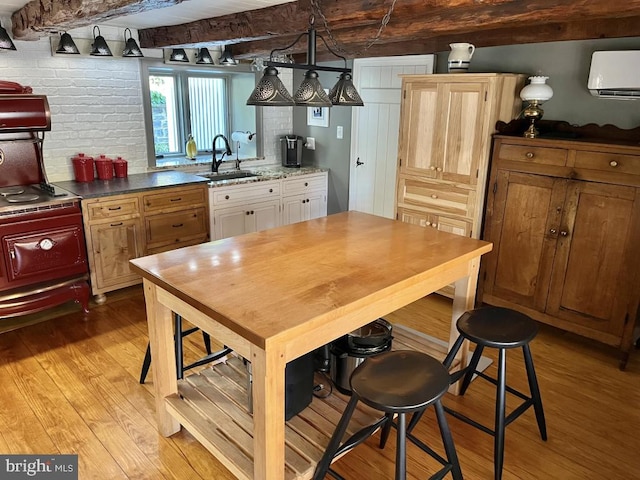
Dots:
{"x": 178, "y": 335}
{"x": 500, "y": 328}
{"x": 396, "y": 383}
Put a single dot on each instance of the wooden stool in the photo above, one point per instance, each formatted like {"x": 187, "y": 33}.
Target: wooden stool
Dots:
{"x": 500, "y": 328}
{"x": 396, "y": 383}
{"x": 179, "y": 334}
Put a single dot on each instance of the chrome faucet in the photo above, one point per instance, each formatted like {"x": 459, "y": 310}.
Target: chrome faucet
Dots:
{"x": 215, "y": 164}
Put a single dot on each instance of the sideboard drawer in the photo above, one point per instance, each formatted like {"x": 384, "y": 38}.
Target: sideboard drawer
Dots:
{"x": 531, "y": 154}
{"x": 609, "y": 162}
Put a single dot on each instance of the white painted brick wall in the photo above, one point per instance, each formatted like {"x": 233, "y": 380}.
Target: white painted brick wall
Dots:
{"x": 96, "y": 104}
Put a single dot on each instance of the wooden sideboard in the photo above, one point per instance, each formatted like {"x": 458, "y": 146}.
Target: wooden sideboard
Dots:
{"x": 564, "y": 218}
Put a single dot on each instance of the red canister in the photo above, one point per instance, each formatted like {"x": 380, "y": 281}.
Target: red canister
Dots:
{"x": 83, "y": 168}
{"x": 104, "y": 167}
{"x": 120, "y": 167}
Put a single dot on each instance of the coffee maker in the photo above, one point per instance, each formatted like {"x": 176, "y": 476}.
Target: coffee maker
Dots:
{"x": 291, "y": 146}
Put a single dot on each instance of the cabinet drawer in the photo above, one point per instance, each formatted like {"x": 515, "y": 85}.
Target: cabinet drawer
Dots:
{"x": 439, "y": 197}
{"x": 176, "y": 227}
{"x": 98, "y": 210}
{"x": 609, "y": 162}
{"x": 174, "y": 198}
{"x": 304, "y": 183}
{"x": 531, "y": 154}
{"x": 246, "y": 193}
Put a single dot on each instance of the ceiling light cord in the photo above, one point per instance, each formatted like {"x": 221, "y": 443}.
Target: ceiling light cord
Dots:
{"x": 385, "y": 20}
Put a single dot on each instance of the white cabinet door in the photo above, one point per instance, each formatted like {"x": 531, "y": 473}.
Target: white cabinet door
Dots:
{"x": 228, "y": 222}
{"x": 264, "y": 215}
{"x": 316, "y": 205}
{"x": 293, "y": 209}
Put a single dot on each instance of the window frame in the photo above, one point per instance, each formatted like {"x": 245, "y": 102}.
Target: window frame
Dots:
{"x": 150, "y": 67}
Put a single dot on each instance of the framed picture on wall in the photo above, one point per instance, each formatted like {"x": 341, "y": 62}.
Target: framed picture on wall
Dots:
{"x": 318, "y": 116}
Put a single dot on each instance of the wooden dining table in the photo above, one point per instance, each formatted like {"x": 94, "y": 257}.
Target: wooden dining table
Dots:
{"x": 273, "y": 296}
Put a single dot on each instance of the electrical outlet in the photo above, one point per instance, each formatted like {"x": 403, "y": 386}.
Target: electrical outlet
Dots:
{"x": 311, "y": 143}
{"x": 339, "y": 132}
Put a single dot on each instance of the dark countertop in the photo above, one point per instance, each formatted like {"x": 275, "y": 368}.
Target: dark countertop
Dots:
{"x": 133, "y": 183}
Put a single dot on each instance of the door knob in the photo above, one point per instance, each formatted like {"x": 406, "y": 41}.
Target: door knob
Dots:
{"x": 358, "y": 162}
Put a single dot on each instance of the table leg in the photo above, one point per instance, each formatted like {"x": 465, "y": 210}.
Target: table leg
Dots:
{"x": 268, "y": 369}
{"x": 464, "y": 299}
{"x": 160, "y": 322}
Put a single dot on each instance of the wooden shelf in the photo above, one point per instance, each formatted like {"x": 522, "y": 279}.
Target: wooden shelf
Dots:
{"x": 213, "y": 406}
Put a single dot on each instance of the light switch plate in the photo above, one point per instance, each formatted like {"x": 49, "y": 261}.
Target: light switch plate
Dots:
{"x": 311, "y": 143}
{"x": 339, "y": 132}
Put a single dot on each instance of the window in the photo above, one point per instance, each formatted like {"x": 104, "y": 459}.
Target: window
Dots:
{"x": 202, "y": 102}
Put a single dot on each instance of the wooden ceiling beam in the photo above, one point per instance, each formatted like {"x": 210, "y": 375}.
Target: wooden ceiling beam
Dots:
{"x": 41, "y": 17}
{"x": 354, "y": 21}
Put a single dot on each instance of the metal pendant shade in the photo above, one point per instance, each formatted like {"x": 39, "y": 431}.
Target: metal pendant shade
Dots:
{"x": 203, "y": 57}
{"x": 99, "y": 48}
{"x": 5, "y": 40}
{"x": 270, "y": 91}
{"x": 67, "y": 45}
{"x": 310, "y": 93}
{"x": 131, "y": 48}
{"x": 179, "y": 55}
{"x": 344, "y": 93}
{"x": 226, "y": 58}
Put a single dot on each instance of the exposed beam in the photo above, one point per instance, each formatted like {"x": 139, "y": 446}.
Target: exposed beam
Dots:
{"x": 40, "y": 17}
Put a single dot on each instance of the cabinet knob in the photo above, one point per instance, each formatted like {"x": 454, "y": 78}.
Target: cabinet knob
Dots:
{"x": 226, "y": 197}
{"x": 306, "y": 184}
{"x": 563, "y": 233}
{"x": 529, "y": 155}
{"x": 247, "y": 212}
{"x": 613, "y": 163}
{"x": 251, "y": 212}
{"x": 434, "y": 195}
{"x": 553, "y": 231}
{"x": 438, "y": 169}
{"x": 271, "y": 190}
{"x": 432, "y": 167}
{"x": 428, "y": 224}
{"x": 434, "y": 225}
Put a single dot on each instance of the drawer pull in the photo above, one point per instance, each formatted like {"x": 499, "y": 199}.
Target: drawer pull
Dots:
{"x": 306, "y": 184}
{"x": 434, "y": 196}
{"x": 176, "y": 199}
{"x": 114, "y": 208}
{"x": 613, "y": 163}
{"x": 177, "y": 225}
{"x": 115, "y": 224}
{"x": 271, "y": 190}
{"x": 226, "y": 197}
{"x": 529, "y": 155}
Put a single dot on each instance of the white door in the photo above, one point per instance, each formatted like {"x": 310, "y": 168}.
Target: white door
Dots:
{"x": 374, "y": 130}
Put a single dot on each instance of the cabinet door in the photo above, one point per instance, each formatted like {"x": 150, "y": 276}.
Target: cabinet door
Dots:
{"x": 443, "y": 131}
{"x": 293, "y": 210}
{"x": 523, "y": 221}
{"x": 229, "y": 222}
{"x": 264, "y": 215}
{"x": 595, "y": 259}
{"x": 114, "y": 244}
{"x": 316, "y": 205}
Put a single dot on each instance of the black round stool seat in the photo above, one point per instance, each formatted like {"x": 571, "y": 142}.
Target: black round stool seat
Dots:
{"x": 497, "y": 327}
{"x": 400, "y": 381}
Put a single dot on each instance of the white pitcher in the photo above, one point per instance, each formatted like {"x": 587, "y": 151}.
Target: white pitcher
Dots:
{"x": 460, "y": 57}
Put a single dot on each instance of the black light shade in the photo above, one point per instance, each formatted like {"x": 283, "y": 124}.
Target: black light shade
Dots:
{"x": 67, "y": 45}
{"x": 270, "y": 91}
{"x": 203, "y": 57}
{"x": 5, "y": 40}
{"x": 179, "y": 55}
{"x": 310, "y": 93}
{"x": 226, "y": 58}
{"x": 344, "y": 93}
{"x": 99, "y": 48}
{"x": 131, "y": 48}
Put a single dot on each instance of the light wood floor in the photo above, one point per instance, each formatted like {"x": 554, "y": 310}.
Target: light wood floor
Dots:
{"x": 70, "y": 385}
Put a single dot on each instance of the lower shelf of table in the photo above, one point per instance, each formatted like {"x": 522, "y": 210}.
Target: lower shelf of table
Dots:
{"x": 213, "y": 406}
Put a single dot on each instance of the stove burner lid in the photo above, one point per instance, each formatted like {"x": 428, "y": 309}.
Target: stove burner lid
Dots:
{"x": 6, "y": 191}
{"x": 22, "y": 197}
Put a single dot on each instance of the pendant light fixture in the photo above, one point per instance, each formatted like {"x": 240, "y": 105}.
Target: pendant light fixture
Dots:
{"x": 5, "y": 40}
{"x": 99, "y": 48}
{"x": 131, "y": 48}
{"x": 226, "y": 59}
{"x": 67, "y": 45}
{"x": 179, "y": 55}
{"x": 271, "y": 92}
{"x": 203, "y": 57}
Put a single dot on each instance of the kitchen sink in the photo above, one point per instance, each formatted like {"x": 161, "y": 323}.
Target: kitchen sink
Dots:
{"x": 228, "y": 175}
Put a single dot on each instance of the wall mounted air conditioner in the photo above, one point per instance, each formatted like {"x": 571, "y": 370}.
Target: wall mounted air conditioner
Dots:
{"x": 615, "y": 74}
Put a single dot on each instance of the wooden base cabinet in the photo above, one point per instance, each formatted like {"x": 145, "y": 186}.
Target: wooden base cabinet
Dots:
{"x": 120, "y": 228}
{"x": 565, "y": 250}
